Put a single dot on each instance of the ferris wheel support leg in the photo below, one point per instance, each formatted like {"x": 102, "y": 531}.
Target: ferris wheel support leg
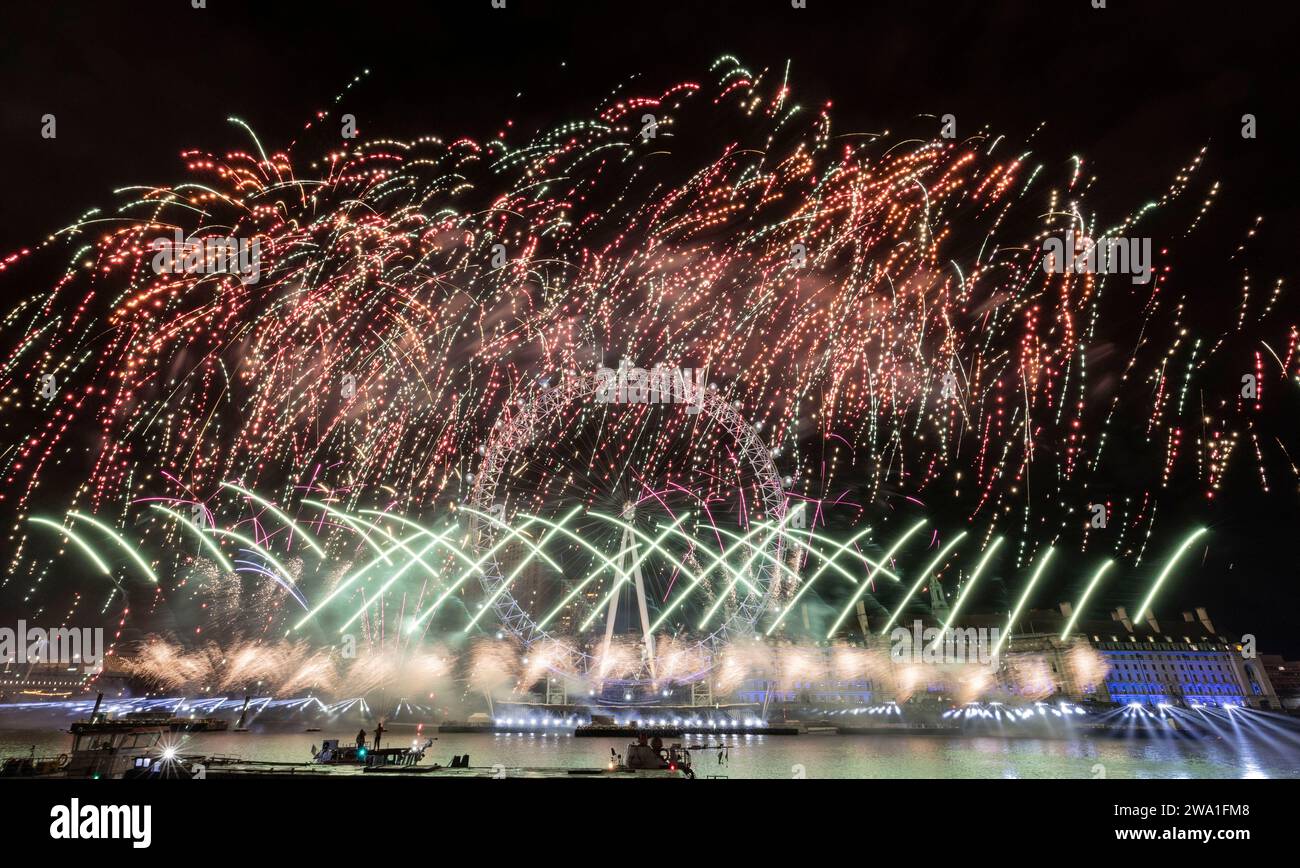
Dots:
{"x": 609, "y": 621}
{"x": 628, "y": 548}
{"x": 645, "y": 621}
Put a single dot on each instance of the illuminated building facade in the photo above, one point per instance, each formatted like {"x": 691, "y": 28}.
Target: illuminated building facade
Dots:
{"x": 1113, "y": 661}
{"x": 1284, "y": 675}
{"x": 1184, "y": 662}
{"x": 33, "y": 682}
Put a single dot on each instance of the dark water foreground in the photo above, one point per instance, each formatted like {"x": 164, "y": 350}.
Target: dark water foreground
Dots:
{"x": 810, "y": 756}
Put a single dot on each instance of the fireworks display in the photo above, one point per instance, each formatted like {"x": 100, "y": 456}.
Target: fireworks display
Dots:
{"x": 349, "y": 386}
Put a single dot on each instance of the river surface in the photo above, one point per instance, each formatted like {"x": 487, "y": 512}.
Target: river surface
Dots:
{"x": 769, "y": 756}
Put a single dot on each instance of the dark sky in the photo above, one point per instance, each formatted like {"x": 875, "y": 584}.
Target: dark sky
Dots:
{"x": 1138, "y": 88}
{"x": 134, "y": 81}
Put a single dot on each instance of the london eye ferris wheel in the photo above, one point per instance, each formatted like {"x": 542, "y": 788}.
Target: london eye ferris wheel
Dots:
{"x": 628, "y": 530}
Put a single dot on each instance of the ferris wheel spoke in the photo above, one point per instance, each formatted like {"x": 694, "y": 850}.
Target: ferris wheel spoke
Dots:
{"x": 741, "y": 572}
{"x": 623, "y": 573}
{"x": 719, "y": 558}
{"x": 536, "y": 547}
{"x": 562, "y": 447}
{"x": 477, "y": 566}
{"x": 505, "y": 583}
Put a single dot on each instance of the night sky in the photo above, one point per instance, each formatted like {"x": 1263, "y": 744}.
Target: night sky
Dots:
{"x": 1139, "y": 88}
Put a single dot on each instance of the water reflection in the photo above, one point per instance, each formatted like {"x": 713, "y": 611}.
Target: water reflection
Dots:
{"x": 812, "y": 756}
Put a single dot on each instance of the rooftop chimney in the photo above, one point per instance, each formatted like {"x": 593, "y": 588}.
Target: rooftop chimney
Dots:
{"x": 1121, "y": 614}
{"x": 1187, "y": 616}
{"x": 1066, "y": 610}
{"x": 862, "y": 619}
{"x": 1152, "y": 623}
{"x": 1205, "y": 620}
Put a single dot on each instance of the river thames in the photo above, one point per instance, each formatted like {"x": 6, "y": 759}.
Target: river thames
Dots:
{"x": 775, "y": 757}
